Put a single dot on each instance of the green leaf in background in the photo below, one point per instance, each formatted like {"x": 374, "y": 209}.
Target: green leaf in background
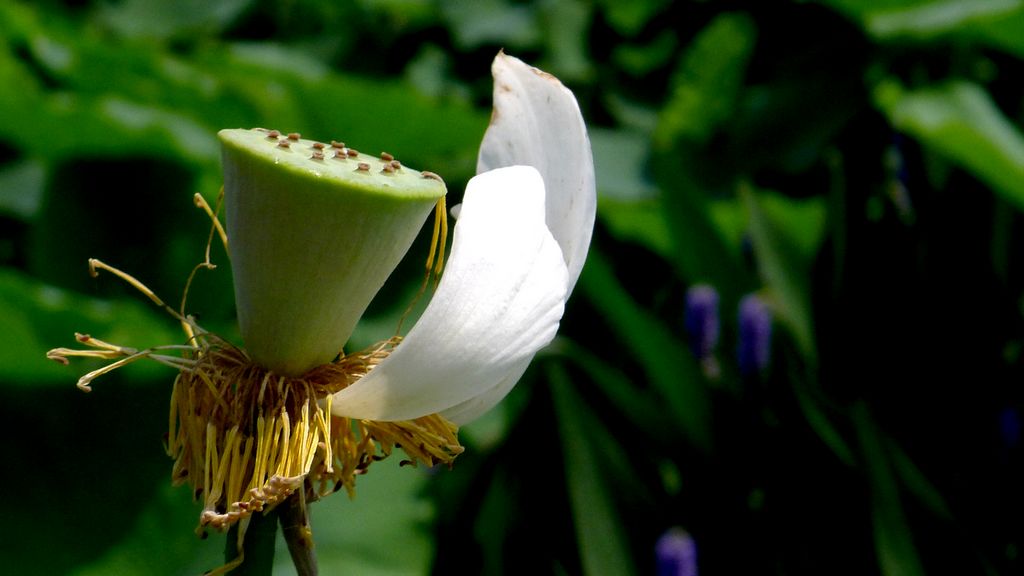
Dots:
{"x": 707, "y": 82}
{"x": 628, "y": 18}
{"x": 641, "y": 59}
{"x": 499, "y": 22}
{"x": 566, "y": 24}
{"x": 166, "y": 20}
{"x": 786, "y": 235}
{"x": 823, "y": 427}
{"x": 894, "y": 543}
{"x": 671, "y": 370}
{"x": 635, "y": 405}
{"x": 991, "y": 22}
{"x": 916, "y": 482}
{"x": 640, "y": 221}
{"x": 160, "y": 541}
{"x": 383, "y": 531}
{"x": 21, "y": 188}
{"x": 599, "y": 531}
{"x": 960, "y": 121}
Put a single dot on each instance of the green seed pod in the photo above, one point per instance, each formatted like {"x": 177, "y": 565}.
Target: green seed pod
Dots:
{"x": 314, "y": 232}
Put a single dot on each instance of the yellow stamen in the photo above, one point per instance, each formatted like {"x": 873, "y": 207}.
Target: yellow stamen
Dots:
{"x": 435, "y": 257}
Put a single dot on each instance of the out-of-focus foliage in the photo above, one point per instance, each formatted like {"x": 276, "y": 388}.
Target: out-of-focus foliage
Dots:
{"x": 859, "y": 165}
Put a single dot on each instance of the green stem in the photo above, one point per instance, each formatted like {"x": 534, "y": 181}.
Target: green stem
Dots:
{"x": 298, "y": 533}
{"x": 258, "y": 545}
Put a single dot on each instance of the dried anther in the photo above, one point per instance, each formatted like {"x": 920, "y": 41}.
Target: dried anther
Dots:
{"x": 386, "y": 157}
{"x": 294, "y": 136}
{"x": 284, "y": 143}
{"x": 363, "y": 167}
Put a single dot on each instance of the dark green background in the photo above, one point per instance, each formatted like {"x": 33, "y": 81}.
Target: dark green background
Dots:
{"x": 860, "y": 165}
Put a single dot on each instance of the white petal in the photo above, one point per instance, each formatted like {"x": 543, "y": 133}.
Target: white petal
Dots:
{"x": 536, "y": 122}
{"x": 500, "y": 300}
{"x": 475, "y": 407}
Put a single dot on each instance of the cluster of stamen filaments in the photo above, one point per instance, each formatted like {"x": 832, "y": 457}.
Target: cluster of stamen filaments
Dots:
{"x": 246, "y": 438}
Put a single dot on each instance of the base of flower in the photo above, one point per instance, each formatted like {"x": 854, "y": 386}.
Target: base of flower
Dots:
{"x": 246, "y": 438}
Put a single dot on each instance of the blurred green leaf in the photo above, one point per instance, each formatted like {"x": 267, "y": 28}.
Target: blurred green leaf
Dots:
{"x": 566, "y": 24}
{"x": 641, "y": 221}
{"x": 84, "y": 467}
{"x": 706, "y": 84}
{"x": 671, "y": 370}
{"x": 383, "y": 531}
{"x": 497, "y": 22}
{"x": 629, "y": 18}
{"x": 786, "y": 238}
{"x": 701, "y": 250}
{"x": 927, "y": 19}
{"x": 620, "y": 158}
{"x": 638, "y": 60}
{"x": 636, "y": 405}
{"x": 627, "y": 200}
{"x": 894, "y": 543}
{"x": 994, "y": 22}
{"x": 599, "y": 530}
{"x": 21, "y": 188}
{"x": 163, "y": 20}
{"x": 960, "y": 121}
{"x": 916, "y": 482}
{"x": 823, "y": 427}
{"x": 161, "y": 541}
{"x": 140, "y": 98}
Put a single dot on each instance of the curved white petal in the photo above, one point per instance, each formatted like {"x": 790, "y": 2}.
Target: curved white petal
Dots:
{"x": 475, "y": 407}
{"x": 500, "y": 300}
{"x": 536, "y": 122}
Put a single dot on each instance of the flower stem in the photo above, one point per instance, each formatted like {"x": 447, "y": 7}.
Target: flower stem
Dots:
{"x": 298, "y": 533}
{"x": 258, "y": 545}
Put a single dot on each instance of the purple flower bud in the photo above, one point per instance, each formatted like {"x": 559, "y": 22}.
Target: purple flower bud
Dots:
{"x": 1010, "y": 427}
{"x": 898, "y": 186}
{"x": 702, "y": 320}
{"x": 676, "y": 553}
{"x": 755, "y": 335}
